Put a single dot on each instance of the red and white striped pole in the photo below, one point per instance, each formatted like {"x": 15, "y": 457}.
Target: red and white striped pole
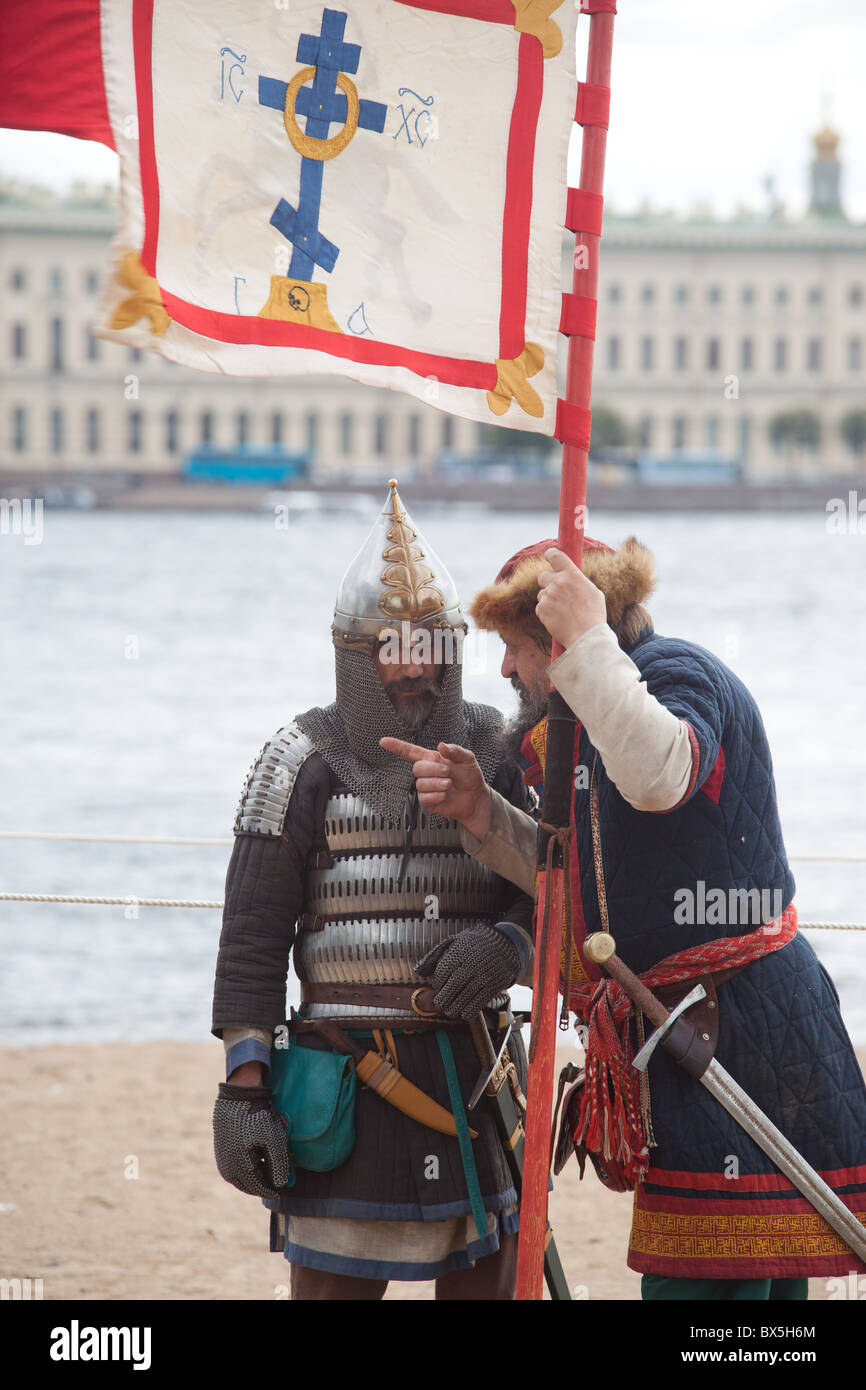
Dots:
{"x": 578, "y": 320}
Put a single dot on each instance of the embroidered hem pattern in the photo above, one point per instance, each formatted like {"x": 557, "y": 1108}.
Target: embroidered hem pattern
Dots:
{"x": 759, "y": 1233}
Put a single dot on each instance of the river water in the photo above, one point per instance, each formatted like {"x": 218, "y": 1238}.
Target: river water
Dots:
{"x": 147, "y": 657}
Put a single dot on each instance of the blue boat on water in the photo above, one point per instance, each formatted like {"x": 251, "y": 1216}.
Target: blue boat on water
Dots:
{"x": 246, "y": 464}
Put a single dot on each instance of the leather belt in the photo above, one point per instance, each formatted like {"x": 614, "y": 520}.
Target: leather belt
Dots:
{"x": 697, "y": 1030}
{"x": 418, "y": 998}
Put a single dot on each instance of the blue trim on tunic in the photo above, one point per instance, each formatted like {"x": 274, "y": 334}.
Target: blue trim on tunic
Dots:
{"x": 247, "y": 1050}
{"x": 387, "y": 1211}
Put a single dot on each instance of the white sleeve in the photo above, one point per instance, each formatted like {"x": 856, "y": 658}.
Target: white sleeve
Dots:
{"x": 647, "y": 751}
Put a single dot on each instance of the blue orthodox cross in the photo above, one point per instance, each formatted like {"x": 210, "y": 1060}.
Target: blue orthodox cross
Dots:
{"x": 332, "y": 98}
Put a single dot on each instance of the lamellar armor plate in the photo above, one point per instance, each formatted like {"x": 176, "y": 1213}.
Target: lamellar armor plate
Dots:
{"x": 269, "y": 783}
{"x": 365, "y": 922}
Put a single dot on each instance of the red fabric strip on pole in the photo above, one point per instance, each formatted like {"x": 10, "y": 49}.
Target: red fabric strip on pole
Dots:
{"x": 51, "y": 70}
{"x": 573, "y": 427}
{"x": 583, "y": 211}
{"x": 573, "y": 424}
{"x": 598, "y": 6}
{"x": 593, "y": 105}
{"x": 578, "y": 316}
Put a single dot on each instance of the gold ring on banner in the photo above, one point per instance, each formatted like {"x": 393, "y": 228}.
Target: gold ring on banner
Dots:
{"x": 308, "y": 145}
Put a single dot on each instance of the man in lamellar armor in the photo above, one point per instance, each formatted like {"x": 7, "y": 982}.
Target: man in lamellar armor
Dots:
{"x": 400, "y": 938}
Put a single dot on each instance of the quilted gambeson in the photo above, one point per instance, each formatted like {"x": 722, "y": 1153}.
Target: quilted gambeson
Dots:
{"x": 712, "y": 1204}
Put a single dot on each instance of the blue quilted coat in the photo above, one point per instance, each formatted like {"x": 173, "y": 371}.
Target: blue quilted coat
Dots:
{"x": 712, "y": 1204}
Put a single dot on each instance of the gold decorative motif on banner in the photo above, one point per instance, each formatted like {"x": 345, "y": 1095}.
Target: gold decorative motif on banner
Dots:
{"x": 512, "y": 384}
{"x": 146, "y": 302}
{"x": 412, "y": 596}
{"x": 309, "y": 146}
{"x": 299, "y": 301}
{"x": 533, "y": 17}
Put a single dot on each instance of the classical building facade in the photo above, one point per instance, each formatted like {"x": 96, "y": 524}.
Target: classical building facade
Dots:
{"x": 708, "y": 331}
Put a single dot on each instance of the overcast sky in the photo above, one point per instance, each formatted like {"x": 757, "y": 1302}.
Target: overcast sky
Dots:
{"x": 708, "y": 99}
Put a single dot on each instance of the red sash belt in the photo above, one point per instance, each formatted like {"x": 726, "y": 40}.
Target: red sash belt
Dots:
{"x": 611, "y": 1122}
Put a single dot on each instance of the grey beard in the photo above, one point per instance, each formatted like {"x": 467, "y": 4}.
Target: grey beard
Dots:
{"x": 415, "y": 712}
{"x": 532, "y": 708}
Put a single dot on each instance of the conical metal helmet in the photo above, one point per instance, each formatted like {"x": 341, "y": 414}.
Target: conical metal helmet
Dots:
{"x": 395, "y": 578}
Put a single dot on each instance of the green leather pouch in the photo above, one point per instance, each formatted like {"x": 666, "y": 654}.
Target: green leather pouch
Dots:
{"x": 313, "y": 1092}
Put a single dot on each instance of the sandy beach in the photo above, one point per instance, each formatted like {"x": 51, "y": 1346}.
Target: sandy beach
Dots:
{"x": 108, "y": 1188}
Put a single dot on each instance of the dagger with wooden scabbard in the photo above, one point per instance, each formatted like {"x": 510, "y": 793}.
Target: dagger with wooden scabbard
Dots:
{"x": 382, "y": 1076}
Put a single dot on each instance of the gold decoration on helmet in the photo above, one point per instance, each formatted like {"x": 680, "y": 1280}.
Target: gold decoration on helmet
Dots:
{"x": 412, "y": 595}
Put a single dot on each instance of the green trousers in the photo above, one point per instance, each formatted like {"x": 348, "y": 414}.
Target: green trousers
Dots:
{"x": 657, "y": 1286}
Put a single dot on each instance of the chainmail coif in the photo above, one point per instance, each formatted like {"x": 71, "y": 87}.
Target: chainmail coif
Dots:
{"x": 347, "y": 733}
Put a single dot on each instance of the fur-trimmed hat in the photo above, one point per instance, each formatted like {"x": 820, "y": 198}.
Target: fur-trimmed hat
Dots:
{"x": 625, "y": 576}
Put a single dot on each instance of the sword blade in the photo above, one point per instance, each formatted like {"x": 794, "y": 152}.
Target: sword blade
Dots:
{"x": 781, "y": 1151}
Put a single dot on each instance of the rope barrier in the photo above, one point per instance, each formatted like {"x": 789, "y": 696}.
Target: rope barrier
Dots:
{"x": 228, "y": 842}
{"x": 116, "y": 839}
{"x": 132, "y": 901}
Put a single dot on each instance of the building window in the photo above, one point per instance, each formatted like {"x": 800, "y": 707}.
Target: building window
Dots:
{"x": 855, "y": 354}
{"x": 714, "y": 354}
{"x": 747, "y": 355}
{"x": 855, "y": 296}
{"x": 55, "y": 431}
{"x": 134, "y": 431}
{"x": 380, "y": 434}
{"x": 448, "y": 432}
{"x": 414, "y": 436}
{"x": 614, "y": 294}
{"x": 19, "y": 341}
{"x": 613, "y": 354}
{"x": 91, "y": 282}
{"x": 55, "y": 281}
{"x": 815, "y": 294}
{"x": 19, "y": 429}
{"x": 206, "y": 427}
{"x": 681, "y": 354}
{"x": 647, "y": 352}
{"x": 813, "y": 355}
{"x": 781, "y": 295}
{"x": 243, "y": 427}
{"x": 745, "y": 432}
{"x": 711, "y": 431}
{"x": 277, "y": 427}
{"x": 93, "y": 431}
{"x": 678, "y": 434}
{"x": 780, "y": 354}
{"x": 171, "y": 432}
{"x": 714, "y": 294}
{"x": 91, "y": 346}
{"x": 56, "y": 344}
{"x": 647, "y": 294}
{"x": 747, "y": 294}
{"x": 681, "y": 294}
{"x": 311, "y": 426}
{"x": 18, "y": 280}
{"x": 645, "y": 432}
{"x": 346, "y": 433}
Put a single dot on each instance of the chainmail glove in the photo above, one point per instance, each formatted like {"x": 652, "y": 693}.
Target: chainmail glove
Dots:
{"x": 470, "y": 969}
{"x": 249, "y": 1140}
